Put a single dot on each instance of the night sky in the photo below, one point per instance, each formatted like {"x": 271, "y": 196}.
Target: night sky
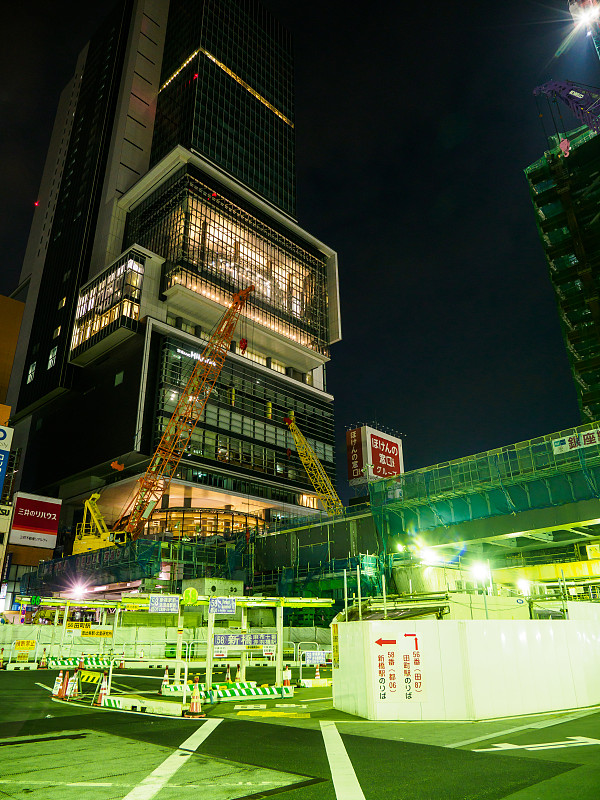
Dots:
{"x": 414, "y": 123}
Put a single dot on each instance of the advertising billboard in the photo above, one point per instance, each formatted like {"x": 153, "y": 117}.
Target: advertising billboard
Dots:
{"x": 372, "y": 454}
{"x": 35, "y": 520}
{"x": 6, "y": 435}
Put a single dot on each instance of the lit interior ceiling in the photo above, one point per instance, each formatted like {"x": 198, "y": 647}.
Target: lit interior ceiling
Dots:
{"x": 115, "y": 497}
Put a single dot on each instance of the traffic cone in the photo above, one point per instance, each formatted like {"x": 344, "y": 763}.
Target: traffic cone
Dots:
{"x": 237, "y": 672}
{"x": 72, "y": 687}
{"x": 122, "y": 664}
{"x": 165, "y": 681}
{"x": 2, "y": 658}
{"x": 142, "y": 654}
{"x": 228, "y": 676}
{"x": 44, "y": 661}
{"x": 57, "y": 685}
{"x": 103, "y": 691}
{"x": 287, "y": 676}
{"x": 62, "y": 692}
{"x": 195, "y": 709}
{"x": 80, "y": 661}
{"x": 317, "y": 673}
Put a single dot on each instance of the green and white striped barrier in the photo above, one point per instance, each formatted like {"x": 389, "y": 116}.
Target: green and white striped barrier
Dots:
{"x": 88, "y": 661}
{"x": 177, "y": 688}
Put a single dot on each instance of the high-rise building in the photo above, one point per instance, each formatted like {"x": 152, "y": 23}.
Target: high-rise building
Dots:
{"x": 169, "y": 184}
{"x": 565, "y": 193}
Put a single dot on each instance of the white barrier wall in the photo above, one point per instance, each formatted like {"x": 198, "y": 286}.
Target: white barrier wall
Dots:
{"x": 465, "y": 670}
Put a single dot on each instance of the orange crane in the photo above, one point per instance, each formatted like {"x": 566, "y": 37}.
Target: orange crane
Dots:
{"x": 315, "y": 470}
{"x": 163, "y": 464}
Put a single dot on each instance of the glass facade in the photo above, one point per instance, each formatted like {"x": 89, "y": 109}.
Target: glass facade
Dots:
{"x": 192, "y": 523}
{"x": 242, "y": 427}
{"x": 85, "y": 152}
{"x": 110, "y": 301}
{"x": 215, "y": 246}
{"x": 227, "y": 92}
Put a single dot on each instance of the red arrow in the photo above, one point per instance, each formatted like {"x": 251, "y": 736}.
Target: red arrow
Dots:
{"x": 381, "y": 642}
{"x": 416, "y": 640}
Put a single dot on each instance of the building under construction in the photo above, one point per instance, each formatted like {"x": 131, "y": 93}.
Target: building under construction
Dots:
{"x": 565, "y": 192}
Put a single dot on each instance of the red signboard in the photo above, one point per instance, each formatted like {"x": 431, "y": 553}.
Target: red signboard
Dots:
{"x": 386, "y": 456}
{"x": 372, "y": 455}
{"x": 35, "y": 521}
{"x": 354, "y": 453}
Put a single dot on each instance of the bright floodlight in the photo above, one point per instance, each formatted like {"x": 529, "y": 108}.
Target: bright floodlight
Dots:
{"x": 480, "y": 571}
{"x": 428, "y": 556}
{"x": 400, "y": 548}
{"x": 78, "y": 591}
{"x": 584, "y": 12}
{"x": 524, "y": 587}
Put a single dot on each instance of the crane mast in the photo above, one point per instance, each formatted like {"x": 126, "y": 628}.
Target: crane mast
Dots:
{"x": 318, "y": 477}
{"x": 177, "y": 434}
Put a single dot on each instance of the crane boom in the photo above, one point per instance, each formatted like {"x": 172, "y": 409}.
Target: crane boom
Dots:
{"x": 178, "y": 431}
{"x": 583, "y": 102}
{"x": 318, "y": 477}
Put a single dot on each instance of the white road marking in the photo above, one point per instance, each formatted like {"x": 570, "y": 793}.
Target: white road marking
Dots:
{"x": 344, "y": 778}
{"x": 43, "y": 685}
{"x": 248, "y": 707}
{"x": 543, "y": 724}
{"x": 571, "y": 741}
{"x": 152, "y": 785}
{"x": 50, "y": 782}
{"x": 290, "y": 705}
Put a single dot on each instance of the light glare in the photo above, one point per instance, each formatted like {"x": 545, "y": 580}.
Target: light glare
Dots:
{"x": 480, "y": 572}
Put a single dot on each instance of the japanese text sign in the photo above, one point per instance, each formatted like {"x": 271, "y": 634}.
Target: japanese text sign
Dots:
{"x": 35, "y": 520}
{"x": 221, "y": 605}
{"x": 163, "y": 604}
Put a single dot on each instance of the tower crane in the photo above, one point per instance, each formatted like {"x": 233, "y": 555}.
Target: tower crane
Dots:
{"x": 584, "y": 102}
{"x": 318, "y": 477}
{"x": 178, "y": 431}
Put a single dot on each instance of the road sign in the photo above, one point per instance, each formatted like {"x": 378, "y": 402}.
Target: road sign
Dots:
{"x": 220, "y": 652}
{"x": 97, "y": 633}
{"x": 314, "y": 656}
{"x": 268, "y": 651}
{"x": 163, "y": 604}
{"x": 25, "y": 644}
{"x": 78, "y": 626}
{"x": 6, "y": 435}
{"x": 335, "y": 647}
{"x": 245, "y": 639}
{"x": 190, "y": 596}
{"x": 221, "y": 605}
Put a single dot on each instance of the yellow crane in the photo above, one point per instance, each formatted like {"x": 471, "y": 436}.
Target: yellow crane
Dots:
{"x": 315, "y": 470}
{"x": 93, "y": 532}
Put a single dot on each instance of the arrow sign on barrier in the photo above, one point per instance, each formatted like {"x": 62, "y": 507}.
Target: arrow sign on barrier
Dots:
{"x": 381, "y": 642}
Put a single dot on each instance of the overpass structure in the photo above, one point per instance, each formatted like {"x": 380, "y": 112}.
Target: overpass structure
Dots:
{"x": 539, "y": 494}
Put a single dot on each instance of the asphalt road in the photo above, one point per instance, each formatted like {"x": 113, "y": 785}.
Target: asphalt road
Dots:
{"x": 302, "y": 749}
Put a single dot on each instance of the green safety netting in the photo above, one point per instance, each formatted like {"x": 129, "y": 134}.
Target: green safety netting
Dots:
{"x": 549, "y": 471}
